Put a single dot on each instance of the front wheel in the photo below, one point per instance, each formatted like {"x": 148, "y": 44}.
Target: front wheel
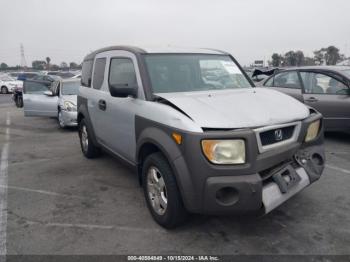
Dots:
{"x": 19, "y": 101}
{"x": 60, "y": 119}
{"x": 87, "y": 147}
{"x": 161, "y": 192}
{"x": 4, "y": 90}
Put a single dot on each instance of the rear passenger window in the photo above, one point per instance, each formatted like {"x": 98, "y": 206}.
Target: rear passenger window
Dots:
{"x": 122, "y": 72}
{"x": 86, "y": 73}
{"x": 99, "y": 72}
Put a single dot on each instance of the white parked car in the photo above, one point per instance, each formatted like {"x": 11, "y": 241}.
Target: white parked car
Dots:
{"x": 8, "y": 84}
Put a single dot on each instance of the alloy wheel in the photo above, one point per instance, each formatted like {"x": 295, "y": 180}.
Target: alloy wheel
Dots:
{"x": 157, "y": 192}
{"x": 84, "y": 138}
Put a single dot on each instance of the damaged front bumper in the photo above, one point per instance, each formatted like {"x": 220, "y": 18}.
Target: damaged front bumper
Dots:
{"x": 264, "y": 182}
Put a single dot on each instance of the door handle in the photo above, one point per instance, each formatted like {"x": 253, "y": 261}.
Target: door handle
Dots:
{"x": 311, "y": 99}
{"x": 102, "y": 105}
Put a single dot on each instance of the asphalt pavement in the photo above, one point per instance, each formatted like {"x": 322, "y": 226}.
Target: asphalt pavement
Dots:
{"x": 58, "y": 202}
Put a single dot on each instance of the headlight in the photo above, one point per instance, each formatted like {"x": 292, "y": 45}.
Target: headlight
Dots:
{"x": 224, "y": 151}
{"x": 312, "y": 131}
{"x": 69, "y": 106}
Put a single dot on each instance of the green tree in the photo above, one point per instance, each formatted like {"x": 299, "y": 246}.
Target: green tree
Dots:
{"x": 73, "y": 65}
{"x": 319, "y": 56}
{"x": 300, "y": 58}
{"x": 276, "y": 60}
{"x": 309, "y": 61}
{"x": 3, "y": 66}
{"x": 39, "y": 64}
{"x": 332, "y": 55}
{"x": 54, "y": 67}
{"x": 290, "y": 58}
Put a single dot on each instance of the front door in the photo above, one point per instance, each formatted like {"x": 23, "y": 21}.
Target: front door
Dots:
{"x": 36, "y": 102}
{"x": 116, "y": 115}
{"x": 330, "y": 97}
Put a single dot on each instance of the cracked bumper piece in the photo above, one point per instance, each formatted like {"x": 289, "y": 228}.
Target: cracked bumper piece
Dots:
{"x": 272, "y": 196}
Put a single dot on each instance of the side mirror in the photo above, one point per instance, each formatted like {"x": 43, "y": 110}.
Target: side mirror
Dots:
{"x": 48, "y": 93}
{"x": 123, "y": 90}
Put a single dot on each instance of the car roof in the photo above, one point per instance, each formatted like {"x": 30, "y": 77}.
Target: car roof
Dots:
{"x": 156, "y": 50}
{"x": 331, "y": 68}
{"x": 67, "y": 80}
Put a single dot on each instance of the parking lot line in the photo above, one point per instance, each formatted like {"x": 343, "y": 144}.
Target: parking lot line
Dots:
{"x": 92, "y": 227}
{"x": 50, "y": 193}
{"x": 3, "y": 190}
{"x": 338, "y": 169}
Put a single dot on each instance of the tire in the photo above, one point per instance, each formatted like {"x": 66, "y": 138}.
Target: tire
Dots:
{"x": 60, "y": 120}
{"x": 19, "y": 101}
{"x": 87, "y": 147}
{"x": 170, "y": 213}
{"x": 4, "y": 90}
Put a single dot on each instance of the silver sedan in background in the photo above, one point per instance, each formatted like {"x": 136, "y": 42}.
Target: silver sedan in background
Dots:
{"x": 325, "y": 88}
{"x": 57, "y": 99}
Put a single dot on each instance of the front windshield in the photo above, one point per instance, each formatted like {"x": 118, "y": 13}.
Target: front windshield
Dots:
{"x": 191, "y": 72}
{"x": 70, "y": 88}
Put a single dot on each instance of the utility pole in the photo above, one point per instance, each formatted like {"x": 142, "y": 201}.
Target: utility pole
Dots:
{"x": 23, "y": 58}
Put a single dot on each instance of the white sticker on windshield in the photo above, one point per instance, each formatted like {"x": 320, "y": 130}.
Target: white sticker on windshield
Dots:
{"x": 230, "y": 67}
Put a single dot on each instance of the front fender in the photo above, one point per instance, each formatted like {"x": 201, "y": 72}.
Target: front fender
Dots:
{"x": 160, "y": 136}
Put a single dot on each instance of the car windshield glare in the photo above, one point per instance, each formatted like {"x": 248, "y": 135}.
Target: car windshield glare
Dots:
{"x": 193, "y": 72}
{"x": 70, "y": 88}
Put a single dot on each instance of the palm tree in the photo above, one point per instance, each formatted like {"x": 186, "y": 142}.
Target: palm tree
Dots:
{"x": 48, "y": 60}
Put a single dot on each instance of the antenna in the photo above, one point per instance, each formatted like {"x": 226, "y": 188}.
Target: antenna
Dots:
{"x": 23, "y": 59}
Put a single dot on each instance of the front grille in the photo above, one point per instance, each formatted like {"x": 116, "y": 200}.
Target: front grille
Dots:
{"x": 276, "y": 135}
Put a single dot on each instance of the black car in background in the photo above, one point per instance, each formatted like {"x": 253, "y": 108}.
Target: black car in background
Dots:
{"x": 26, "y": 75}
{"x": 325, "y": 88}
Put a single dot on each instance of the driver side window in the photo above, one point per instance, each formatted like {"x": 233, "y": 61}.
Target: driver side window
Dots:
{"x": 317, "y": 83}
{"x": 122, "y": 72}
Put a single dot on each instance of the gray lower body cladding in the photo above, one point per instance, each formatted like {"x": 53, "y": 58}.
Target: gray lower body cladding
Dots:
{"x": 250, "y": 187}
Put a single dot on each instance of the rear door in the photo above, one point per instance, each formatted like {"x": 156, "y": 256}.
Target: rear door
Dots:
{"x": 287, "y": 82}
{"x": 36, "y": 102}
{"x": 328, "y": 94}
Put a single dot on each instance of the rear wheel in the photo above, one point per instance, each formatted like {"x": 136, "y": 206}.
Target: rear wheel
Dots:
{"x": 4, "y": 90}
{"x": 161, "y": 192}
{"x": 87, "y": 147}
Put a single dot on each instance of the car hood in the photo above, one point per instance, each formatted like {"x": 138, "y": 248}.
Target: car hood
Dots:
{"x": 70, "y": 98}
{"x": 240, "y": 108}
